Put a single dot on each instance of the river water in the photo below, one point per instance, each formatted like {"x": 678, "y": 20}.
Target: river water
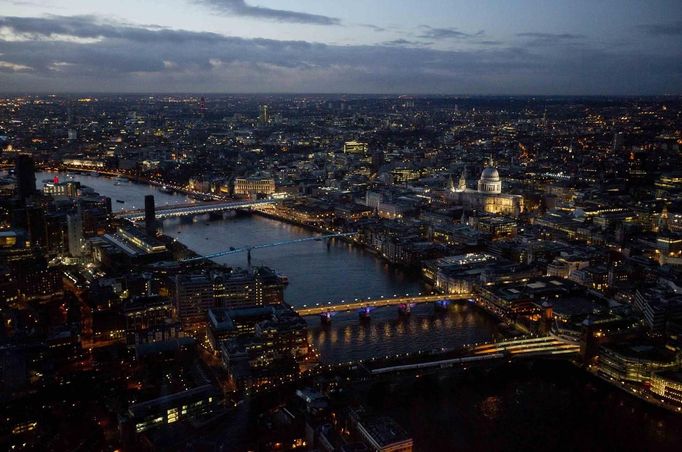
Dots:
{"x": 317, "y": 273}
{"x": 547, "y": 406}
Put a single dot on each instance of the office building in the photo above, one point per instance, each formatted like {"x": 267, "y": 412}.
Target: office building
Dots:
{"x": 264, "y": 115}
{"x": 74, "y": 226}
{"x": 667, "y": 385}
{"x": 192, "y": 405}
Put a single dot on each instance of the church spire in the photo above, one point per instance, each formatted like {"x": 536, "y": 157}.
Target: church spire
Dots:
{"x": 451, "y": 184}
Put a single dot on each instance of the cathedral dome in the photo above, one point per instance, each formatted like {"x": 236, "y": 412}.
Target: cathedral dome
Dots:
{"x": 490, "y": 181}
{"x": 490, "y": 174}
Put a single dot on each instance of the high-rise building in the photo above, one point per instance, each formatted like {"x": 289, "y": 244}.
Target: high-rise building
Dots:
{"x": 196, "y": 294}
{"x": 24, "y": 171}
{"x": 35, "y": 225}
{"x": 8, "y": 289}
{"x": 74, "y": 226}
{"x": 193, "y": 297}
{"x": 264, "y": 116}
{"x": 149, "y": 215}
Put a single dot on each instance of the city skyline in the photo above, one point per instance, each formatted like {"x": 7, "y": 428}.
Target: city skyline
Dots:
{"x": 246, "y": 272}
{"x": 434, "y": 47}
{"x": 387, "y": 225}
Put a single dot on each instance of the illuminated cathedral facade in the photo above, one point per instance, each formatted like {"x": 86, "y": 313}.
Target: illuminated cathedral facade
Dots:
{"x": 488, "y": 196}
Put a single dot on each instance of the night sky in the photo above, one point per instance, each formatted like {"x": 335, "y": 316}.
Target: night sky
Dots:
{"x": 604, "y": 47}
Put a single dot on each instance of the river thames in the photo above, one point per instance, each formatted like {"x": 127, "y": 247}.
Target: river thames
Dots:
{"x": 317, "y": 273}
{"x": 551, "y": 405}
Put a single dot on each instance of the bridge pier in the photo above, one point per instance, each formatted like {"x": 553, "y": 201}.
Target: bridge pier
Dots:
{"x": 441, "y": 305}
{"x": 405, "y": 309}
{"x": 326, "y": 318}
{"x": 364, "y": 314}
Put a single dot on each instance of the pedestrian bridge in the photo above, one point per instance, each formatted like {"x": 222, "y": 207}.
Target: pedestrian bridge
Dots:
{"x": 192, "y": 209}
{"x": 358, "y": 304}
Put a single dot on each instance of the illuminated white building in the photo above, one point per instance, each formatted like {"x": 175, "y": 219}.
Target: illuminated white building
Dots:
{"x": 488, "y": 196}
{"x": 254, "y": 185}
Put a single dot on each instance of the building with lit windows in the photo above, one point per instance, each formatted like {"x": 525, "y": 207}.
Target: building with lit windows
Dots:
{"x": 658, "y": 305}
{"x": 9, "y": 293}
{"x": 68, "y": 188}
{"x": 8, "y": 239}
{"x": 195, "y": 405}
{"x": 195, "y": 294}
{"x": 496, "y": 226}
{"x": 355, "y": 147}
{"x": 259, "y": 347}
{"x": 668, "y": 386}
{"x": 193, "y": 297}
{"x": 149, "y": 319}
{"x": 255, "y": 185}
{"x": 226, "y": 324}
{"x": 456, "y": 274}
{"x": 635, "y": 363}
{"x": 74, "y": 227}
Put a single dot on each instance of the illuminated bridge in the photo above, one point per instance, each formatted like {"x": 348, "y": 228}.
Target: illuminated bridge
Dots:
{"x": 549, "y": 345}
{"x": 488, "y": 353}
{"x": 366, "y": 305}
{"x": 248, "y": 249}
{"x": 192, "y": 209}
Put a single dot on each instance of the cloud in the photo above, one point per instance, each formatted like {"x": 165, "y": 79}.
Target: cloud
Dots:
{"x": 85, "y": 53}
{"x": 666, "y": 29}
{"x": 406, "y": 42}
{"x": 373, "y": 27}
{"x": 551, "y": 36}
{"x": 550, "y": 39}
{"x": 241, "y": 8}
{"x": 447, "y": 33}
{"x": 13, "y": 67}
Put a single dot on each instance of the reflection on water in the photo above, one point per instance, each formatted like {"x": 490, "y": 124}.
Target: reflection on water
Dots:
{"x": 132, "y": 194}
{"x": 388, "y": 333}
{"x": 317, "y": 274}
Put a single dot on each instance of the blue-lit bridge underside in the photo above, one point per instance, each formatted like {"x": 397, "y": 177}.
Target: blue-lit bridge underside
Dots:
{"x": 248, "y": 249}
{"x": 321, "y": 308}
{"x": 193, "y": 209}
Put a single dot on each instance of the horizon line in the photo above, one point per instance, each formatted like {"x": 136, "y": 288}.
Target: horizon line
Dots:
{"x": 301, "y": 93}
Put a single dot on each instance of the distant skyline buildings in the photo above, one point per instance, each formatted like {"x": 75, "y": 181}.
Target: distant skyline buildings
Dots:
{"x": 414, "y": 47}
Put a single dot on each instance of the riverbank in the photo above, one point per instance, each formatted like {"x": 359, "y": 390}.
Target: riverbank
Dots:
{"x": 132, "y": 177}
{"x": 347, "y": 239}
{"x": 632, "y": 390}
